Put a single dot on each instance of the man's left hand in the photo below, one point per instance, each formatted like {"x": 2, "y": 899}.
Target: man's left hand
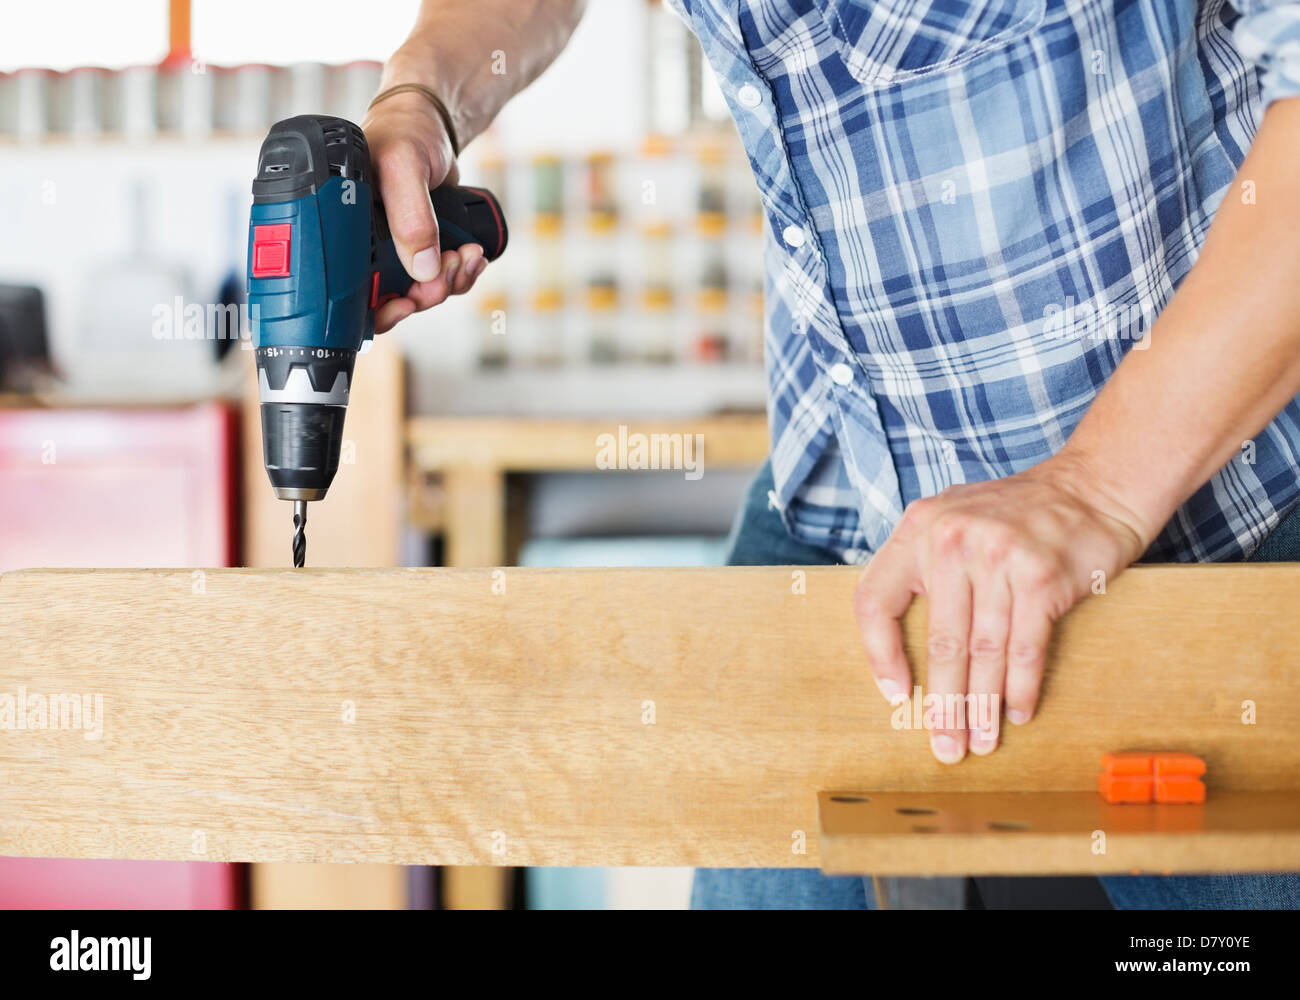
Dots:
{"x": 1000, "y": 562}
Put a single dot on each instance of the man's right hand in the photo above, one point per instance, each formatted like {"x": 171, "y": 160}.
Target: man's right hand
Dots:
{"x": 452, "y": 49}
{"x": 411, "y": 153}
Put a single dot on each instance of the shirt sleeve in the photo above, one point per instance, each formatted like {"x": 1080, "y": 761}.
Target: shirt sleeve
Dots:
{"x": 1268, "y": 33}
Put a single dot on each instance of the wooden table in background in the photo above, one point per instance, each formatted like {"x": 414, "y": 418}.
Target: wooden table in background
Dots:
{"x": 473, "y": 456}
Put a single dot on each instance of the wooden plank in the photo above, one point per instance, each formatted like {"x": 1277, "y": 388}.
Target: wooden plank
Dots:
{"x": 513, "y": 444}
{"x": 1043, "y": 833}
{"x": 554, "y": 717}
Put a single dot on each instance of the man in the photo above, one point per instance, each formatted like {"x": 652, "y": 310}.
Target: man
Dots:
{"x": 1008, "y": 354}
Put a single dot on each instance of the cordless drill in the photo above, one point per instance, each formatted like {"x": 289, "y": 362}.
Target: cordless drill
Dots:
{"x": 320, "y": 261}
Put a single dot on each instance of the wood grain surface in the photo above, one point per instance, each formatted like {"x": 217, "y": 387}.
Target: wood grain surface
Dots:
{"x": 637, "y": 716}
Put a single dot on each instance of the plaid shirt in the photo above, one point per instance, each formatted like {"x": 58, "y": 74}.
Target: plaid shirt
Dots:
{"x": 976, "y": 208}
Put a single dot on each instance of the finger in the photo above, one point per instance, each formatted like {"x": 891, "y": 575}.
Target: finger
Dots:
{"x": 402, "y": 173}
{"x": 884, "y": 592}
{"x": 1031, "y": 633}
{"x": 947, "y": 646}
{"x": 428, "y": 294}
{"x": 471, "y": 266}
{"x": 451, "y": 270}
{"x": 391, "y": 313}
{"x": 990, "y": 629}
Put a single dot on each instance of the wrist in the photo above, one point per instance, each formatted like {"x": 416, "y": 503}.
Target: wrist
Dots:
{"x": 1087, "y": 481}
{"x": 418, "y": 62}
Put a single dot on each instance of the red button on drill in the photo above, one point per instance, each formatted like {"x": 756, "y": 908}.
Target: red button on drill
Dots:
{"x": 271, "y": 251}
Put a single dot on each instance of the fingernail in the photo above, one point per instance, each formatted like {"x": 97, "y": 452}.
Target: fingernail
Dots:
{"x": 892, "y": 692}
{"x": 947, "y": 749}
{"x": 475, "y": 266}
{"x": 425, "y": 264}
{"x": 1017, "y": 717}
{"x": 982, "y": 742}
{"x": 449, "y": 272}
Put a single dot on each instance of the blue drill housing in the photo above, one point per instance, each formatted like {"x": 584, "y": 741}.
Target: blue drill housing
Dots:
{"x": 325, "y": 299}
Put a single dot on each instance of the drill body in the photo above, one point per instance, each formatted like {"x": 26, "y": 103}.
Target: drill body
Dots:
{"x": 320, "y": 261}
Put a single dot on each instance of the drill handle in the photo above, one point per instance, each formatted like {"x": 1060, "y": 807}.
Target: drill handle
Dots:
{"x": 465, "y": 215}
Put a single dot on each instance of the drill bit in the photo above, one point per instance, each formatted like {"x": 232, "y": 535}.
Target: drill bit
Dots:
{"x": 299, "y": 533}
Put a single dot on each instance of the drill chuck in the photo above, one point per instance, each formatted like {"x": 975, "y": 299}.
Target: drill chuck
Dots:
{"x": 301, "y": 444}
{"x": 304, "y": 398}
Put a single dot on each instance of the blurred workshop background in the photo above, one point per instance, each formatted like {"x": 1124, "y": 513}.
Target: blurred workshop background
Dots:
{"x": 630, "y": 297}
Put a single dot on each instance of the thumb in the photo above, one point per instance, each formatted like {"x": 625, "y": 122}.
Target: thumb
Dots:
{"x": 402, "y": 173}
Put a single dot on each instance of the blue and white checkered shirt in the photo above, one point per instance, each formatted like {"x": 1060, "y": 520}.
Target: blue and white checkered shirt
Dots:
{"x": 976, "y": 208}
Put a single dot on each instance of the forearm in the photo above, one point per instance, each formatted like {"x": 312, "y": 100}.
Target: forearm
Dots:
{"x": 477, "y": 54}
{"x": 1224, "y": 356}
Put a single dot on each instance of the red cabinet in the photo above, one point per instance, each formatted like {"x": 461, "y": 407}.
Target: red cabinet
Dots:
{"x": 118, "y": 488}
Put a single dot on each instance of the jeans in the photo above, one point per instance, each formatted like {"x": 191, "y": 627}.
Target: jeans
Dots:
{"x": 758, "y": 538}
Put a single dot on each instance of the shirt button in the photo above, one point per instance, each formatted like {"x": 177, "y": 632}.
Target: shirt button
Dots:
{"x": 749, "y": 96}
{"x": 800, "y": 325}
{"x": 841, "y": 374}
{"x": 793, "y": 236}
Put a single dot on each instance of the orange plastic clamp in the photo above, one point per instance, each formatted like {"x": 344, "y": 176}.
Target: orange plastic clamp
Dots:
{"x": 1166, "y": 777}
